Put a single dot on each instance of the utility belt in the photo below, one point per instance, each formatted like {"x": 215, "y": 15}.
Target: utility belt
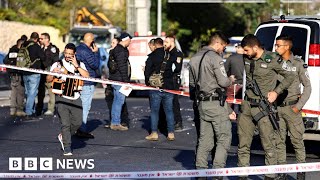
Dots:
{"x": 253, "y": 102}
{"x": 219, "y": 95}
{"x": 256, "y": 102}
{"x": 210, "y": 97}
{"x": 289, "y": 103}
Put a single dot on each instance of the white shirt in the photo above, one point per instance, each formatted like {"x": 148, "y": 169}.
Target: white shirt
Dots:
{"x": 69, "y": 66}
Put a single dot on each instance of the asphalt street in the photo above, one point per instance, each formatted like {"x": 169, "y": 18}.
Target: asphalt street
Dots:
{"x": 115, "y": 151}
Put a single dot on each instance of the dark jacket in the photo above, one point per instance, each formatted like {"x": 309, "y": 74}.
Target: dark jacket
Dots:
{"x": 121, "y": 55}
{"x": 52, "y": 55}
{"x": 90, "y": 59}
{"x": 153, "y": 64}
{"x": 234, "y": 65}
{"x": 177, "y": 57}
{"x": 11, "y": 59}
{"x": 35, "y": 52}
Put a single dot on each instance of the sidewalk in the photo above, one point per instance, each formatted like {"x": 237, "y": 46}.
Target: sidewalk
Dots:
{"x": 5, "y": 96}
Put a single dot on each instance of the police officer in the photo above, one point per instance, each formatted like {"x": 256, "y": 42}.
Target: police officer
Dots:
{"x": 17, "y": 88}
{"x": 291, "y": 102}
{"x": 262, "y": 66}
{"x": 207, "y": 79}
{"x": 51, "y": 56}
{"x": 177, "y": 57}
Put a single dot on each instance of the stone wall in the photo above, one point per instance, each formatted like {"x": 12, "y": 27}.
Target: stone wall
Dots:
{"x": 11, "y": 31}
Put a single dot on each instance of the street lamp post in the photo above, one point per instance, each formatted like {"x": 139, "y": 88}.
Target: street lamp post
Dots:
{"x": 159, "y": 19}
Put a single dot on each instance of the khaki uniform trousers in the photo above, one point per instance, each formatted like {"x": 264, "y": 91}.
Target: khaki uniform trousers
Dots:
{"x": 52, "y": 97}
{"x": 291, "y": 122}
{"x": 214, "y": 122}
{"x": 246, "y": 127}
{"x": 17, "y": 93}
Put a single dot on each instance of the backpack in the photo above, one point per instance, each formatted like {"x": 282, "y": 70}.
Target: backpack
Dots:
{"x": 23, "y": 58}
{"x": 112, "y": 64}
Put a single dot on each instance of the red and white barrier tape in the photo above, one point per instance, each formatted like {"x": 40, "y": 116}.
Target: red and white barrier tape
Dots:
{"x": 237, "y": 171}
{"x": 135, "y": 86}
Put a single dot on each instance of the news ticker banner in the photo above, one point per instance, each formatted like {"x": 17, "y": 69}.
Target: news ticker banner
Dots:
{"x": 236, "y": 171}
{"x": 232, "y": 90}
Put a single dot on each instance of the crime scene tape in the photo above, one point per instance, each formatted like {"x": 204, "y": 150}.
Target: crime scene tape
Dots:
{"x": 135, "y": 86}
{"x": 236, "y": 171}
{"x": 231, "y": 92}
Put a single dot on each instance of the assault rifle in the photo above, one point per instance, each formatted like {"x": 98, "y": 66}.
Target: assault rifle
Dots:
{"x": 268, "y": 109}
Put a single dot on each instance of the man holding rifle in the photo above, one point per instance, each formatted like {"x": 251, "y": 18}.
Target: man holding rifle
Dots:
{"x": 290, "y": 103}
{"x": 262, "y": 68}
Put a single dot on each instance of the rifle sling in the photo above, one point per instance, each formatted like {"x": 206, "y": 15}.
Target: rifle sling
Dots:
{"x": 164, "y": 62}
{"x": 199, "y": 74}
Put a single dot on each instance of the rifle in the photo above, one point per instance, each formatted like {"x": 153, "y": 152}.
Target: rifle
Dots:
{"x": 268, "y": 109}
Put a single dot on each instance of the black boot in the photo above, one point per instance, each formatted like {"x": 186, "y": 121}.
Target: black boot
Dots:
{"x": 301, "y": 176}
{"x": 282, "y": 176}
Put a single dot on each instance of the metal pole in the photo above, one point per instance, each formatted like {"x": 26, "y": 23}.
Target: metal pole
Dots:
{"x": 159, "y": 19}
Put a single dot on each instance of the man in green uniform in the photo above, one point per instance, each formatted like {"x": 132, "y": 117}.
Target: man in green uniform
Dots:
{"x": 262, "y": 66}
{"x": 291, "y": 102}
{"x": 208, "y": 79}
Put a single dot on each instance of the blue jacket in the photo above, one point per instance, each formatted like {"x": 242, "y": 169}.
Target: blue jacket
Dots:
{"x": 90, "y": 59}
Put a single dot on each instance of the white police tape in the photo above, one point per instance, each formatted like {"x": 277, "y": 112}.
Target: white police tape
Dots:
{"x": 137, "y": 86}
{"x": 236, "y": 171}
{"x": 134, "y": 86}
{"x": 40, "y": 71}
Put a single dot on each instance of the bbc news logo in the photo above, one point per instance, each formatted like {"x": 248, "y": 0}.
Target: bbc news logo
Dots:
{"x": 47, "y": 164}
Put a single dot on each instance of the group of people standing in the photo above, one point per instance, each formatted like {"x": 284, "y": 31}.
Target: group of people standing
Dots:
{"x": 83, "y": 60}
{"x": 277, "y": 75}
{"x": 31, "y": 85}
{"x": 165, "y": 59}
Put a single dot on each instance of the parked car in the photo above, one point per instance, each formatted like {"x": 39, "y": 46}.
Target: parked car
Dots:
{"x": 305, "y": 32}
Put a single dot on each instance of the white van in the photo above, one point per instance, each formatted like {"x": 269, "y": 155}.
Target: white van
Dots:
{"x": 305, "y": 31}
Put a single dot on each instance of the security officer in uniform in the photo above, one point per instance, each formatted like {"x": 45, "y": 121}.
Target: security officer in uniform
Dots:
{"x": 290, "y": 103}
{"x": 16, "y": 81}
{"x": 176, "y": 56}
{"x": 263, "y": 66}
{"x": 52, "y": 55}
{"x": 209, "y": 79}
